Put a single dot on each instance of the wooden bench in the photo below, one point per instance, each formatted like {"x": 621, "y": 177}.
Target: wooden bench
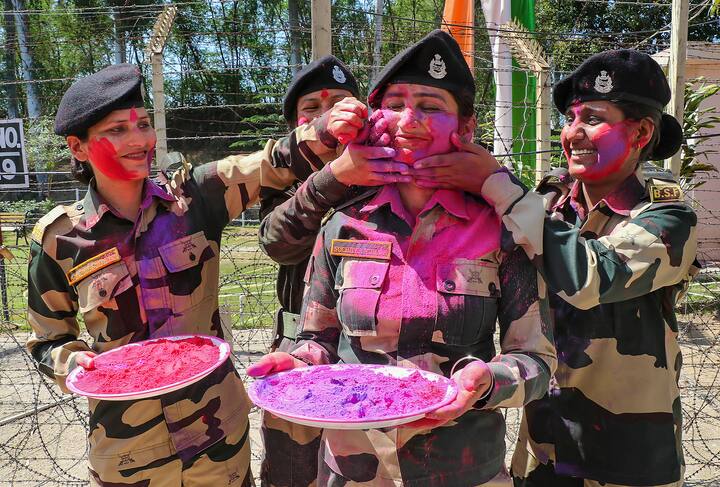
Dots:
{"x": 15, "y": 222}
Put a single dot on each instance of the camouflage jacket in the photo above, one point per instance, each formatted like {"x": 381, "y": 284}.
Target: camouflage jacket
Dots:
{"x": 294, "y": 196}
{"x": 132, "y": 281}
{"x": 614, "y": 274}
{"x": 383, "y": 287}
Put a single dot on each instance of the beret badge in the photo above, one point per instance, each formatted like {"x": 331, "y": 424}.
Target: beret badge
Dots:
{"x": 603, "y": 82}
{"x": 437, "y": 67}
{"x": 338, "y": 75}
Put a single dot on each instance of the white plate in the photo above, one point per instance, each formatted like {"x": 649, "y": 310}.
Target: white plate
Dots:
{"x": 78, "y": 372}
{"x": 255, "y": 392}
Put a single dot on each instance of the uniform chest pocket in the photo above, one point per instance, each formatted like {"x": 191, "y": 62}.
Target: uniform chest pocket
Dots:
{"x": 186, "y": 252}
{"x": 102, "y": 286}
{"x": 360, "y": 283}
{"x": 467, "y": 295}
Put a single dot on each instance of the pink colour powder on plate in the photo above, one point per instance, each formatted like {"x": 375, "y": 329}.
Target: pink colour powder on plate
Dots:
{"x": 351, "y": 393}
{"x": 154, "y": 364}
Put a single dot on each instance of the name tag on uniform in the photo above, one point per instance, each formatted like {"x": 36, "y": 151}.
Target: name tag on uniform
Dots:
{"x": 93, "y": 264}
{"x": 361, "y": 249}
{"x": 663, "y": 193}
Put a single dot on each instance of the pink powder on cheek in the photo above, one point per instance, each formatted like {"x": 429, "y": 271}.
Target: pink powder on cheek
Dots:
{"x": 439, "y": 126}
{"x": 156, "y": 364}
{"x": 613, "y": 148}
{"x": 104, "y": 157}
{"x": 302, "y": 121}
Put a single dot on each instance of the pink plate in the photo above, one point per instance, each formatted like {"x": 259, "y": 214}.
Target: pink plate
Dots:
{"x": 350, "y": 388}
{"x": 73, "y": 379}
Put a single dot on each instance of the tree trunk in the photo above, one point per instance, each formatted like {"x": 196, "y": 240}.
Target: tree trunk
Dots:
{"x": 377, "y": 51}
{"x": 13, "y": 110}
{"x": 28, "y": 67}
{"x": 294, "y": 23}
{"x": 119, "y": 43}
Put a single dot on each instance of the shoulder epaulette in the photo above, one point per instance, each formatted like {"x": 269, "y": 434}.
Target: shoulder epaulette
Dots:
{"x": 364, "y": 195}
{"x": 181, "y": 176}
{"x": 558, "y": 177}
{"x": 39, "y": 228}
{"x": 651, "y": 171}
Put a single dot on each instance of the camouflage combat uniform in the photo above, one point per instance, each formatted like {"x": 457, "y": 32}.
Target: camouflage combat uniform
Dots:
{"x": 132, "y": 281}
{"x": 383, "y": 287}
{"x": 614, "y": 273}
{"x": 293, "y": 200}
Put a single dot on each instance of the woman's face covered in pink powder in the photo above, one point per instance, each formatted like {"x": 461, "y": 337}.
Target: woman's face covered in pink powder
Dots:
{"x": 600, "y": 144}
{"x": 121, "y": 146}
{"x": 420, "y": 119}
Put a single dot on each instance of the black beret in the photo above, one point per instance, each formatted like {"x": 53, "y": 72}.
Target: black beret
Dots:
{"x": 623, "y": 75}
{"x": 325, "y": 73}
{"x": 435, "y": 60}
{"x": 91, "y": 98}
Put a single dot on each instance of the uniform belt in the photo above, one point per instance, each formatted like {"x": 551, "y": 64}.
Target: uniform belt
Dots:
{"x": 289, "y": 324}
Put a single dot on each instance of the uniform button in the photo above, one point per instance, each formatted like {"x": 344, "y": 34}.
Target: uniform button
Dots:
{"x": 449, "y": 285}
{"x": 192, "y": 256}
{"x": 374, "y": 279}
{"x": 102, "y": 293}
{"x": 492, "y": 287}
{"x": 79, "y": 207}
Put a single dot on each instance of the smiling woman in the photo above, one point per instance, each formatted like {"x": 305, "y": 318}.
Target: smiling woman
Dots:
{"x": 139, "y": 261}
{"x": 414, "y": 277}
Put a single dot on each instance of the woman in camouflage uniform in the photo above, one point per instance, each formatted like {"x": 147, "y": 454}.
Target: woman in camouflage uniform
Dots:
{"x": 138, "y": 262}
{"x": 415, "y": 278}
{"x": 616, "y": 248}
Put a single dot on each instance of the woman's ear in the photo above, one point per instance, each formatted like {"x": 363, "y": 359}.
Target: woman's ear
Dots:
{"x": 466, "y": 128}
{"x": 645, "y": 131}
{"x": 77, "y": 147}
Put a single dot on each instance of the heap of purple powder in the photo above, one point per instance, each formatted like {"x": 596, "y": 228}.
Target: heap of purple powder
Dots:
{"x": 349, "y": 393}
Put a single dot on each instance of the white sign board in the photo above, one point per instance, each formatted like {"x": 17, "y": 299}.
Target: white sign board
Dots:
{"x": 13, "y": 165}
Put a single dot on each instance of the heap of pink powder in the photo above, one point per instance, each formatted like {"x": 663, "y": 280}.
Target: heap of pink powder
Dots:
{"x": 153, "y": 364}
{"x": 350, "y": 393}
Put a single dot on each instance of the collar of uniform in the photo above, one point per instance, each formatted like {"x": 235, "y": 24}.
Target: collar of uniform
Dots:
{"x": 95, "y": 205}
{"x": 453, "y": 202}
{"x": 620, "y": 201}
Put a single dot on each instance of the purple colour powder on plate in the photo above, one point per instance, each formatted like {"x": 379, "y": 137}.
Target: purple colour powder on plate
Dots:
{"x": 350, "y": 393}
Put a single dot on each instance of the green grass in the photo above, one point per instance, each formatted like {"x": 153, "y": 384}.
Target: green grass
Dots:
{"x": 247, "y": 280}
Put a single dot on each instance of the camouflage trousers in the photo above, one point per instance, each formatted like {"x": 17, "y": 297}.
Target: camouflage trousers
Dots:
{"x": 226, "y": 463}
{"x": 291, "y": 450}
{"x": 543, "y": 475}
{"x": 328, "y": 478}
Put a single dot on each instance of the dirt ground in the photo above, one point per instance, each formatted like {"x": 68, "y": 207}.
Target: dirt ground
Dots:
{"x": 42, "y": 432}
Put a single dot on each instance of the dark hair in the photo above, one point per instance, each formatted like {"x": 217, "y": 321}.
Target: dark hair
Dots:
{"x": 81, "y": 171}
{"x": 466, "y": 103}
{"x": 637, "y": 111}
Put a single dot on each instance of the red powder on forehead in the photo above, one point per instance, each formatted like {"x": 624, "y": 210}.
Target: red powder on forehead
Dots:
{"x": 155, "y": 364}
{"x": 104, "y": 157}
{"x": 133, "y": 115}
{"x": 324, "y": 93}
{"x": 351, "y": 393}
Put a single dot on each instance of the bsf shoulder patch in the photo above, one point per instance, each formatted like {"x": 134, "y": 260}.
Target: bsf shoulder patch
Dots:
{"x": 93, "y": 264}
{"x": 664, "y": 193}
{"x": 361, "y": 249}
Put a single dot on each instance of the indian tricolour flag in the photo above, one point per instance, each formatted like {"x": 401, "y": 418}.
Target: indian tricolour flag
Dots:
{"x": 514, "y": 128}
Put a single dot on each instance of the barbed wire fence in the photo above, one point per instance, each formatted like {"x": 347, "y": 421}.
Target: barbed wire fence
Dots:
{"x": 43, "y": 432}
